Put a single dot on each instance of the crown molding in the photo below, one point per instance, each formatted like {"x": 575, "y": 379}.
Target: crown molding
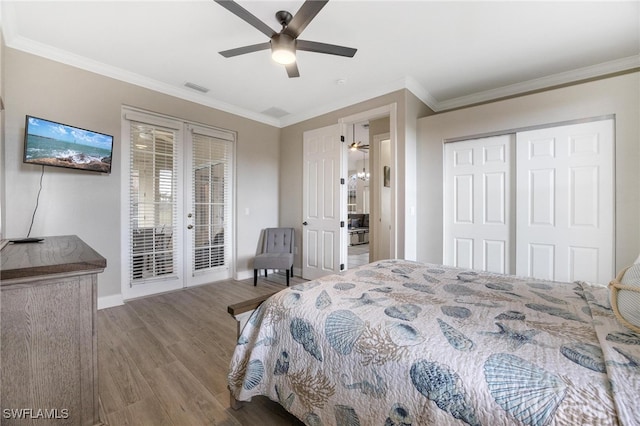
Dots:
{"x": 409, "y": 83}
{"x": 344, "y": 102}
{"x": 580, "y": 74}
{"x": 58, "y": 55}
{"x": 412, "y": 85}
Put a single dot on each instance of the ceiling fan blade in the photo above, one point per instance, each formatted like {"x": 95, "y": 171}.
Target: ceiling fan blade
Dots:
{"x": 292, "y": 70}
{"x": 246, "y": 16}
{"x": 245, "y": 49}
{"x": 305, "y": 14}
{"x": 331, "y": 49}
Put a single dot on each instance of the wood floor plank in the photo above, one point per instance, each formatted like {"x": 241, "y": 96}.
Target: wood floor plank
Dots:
{"x": 124, "y": 317}
{"x": 148, "y": 411}
{"x": 185, "y": 399}
{"x": 120, "y": 382}
{"x": 149, "y": 312}
{"x": 109, "y": 333}
{"x": 163, "y": 360}
{"x": 147, "y": 351}
{"x": 260, "y": 409}
{"x": 206, "y": 366}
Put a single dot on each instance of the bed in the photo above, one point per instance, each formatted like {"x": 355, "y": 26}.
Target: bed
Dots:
{"x": 397, "y": 342}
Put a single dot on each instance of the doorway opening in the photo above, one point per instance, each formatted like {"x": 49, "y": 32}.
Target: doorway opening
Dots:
{"x": 325, "y": 237}
{"x": 358, "y": 194}
{"x": 369, "y": 205}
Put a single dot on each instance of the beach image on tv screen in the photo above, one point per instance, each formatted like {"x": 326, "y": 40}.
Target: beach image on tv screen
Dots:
{"x": 57, "y": 144}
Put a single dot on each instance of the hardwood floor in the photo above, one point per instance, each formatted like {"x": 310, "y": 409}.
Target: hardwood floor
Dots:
{"x": 163, "y": 360}
{"x": 358, "y": 255}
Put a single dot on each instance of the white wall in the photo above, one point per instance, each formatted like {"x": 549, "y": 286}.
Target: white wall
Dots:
{"x": 618, "y": 95}
{"x": 88, "y": 204}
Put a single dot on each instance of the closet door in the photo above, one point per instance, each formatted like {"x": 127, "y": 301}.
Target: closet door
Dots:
{"x": 478, "y": 231}
{"x": 565, "y": 202}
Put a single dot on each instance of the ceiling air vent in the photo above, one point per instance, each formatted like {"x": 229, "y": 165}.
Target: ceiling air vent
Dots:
{"x": 196, "y": 87}
{"x": 275, "y": 112}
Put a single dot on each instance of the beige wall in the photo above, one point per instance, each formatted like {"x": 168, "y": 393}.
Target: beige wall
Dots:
{"x": 617, "y": 95}
{"x": 88, "y": 204}
{"x": 414, "y": 110}
{"x": 2, "y": 202}
{"x": 291, "y": 157}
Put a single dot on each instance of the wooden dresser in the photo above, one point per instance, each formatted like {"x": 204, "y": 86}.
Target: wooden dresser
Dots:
{"x": 48, "y": 331}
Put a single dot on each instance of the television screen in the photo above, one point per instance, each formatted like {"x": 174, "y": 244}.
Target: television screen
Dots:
{"x": 54, "y": 144}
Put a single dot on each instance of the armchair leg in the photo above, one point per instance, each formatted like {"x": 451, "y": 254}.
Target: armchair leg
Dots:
{"x": 265, "y": 273}
{"x": 255, "y": 277}
{"x": 287, "y": 277}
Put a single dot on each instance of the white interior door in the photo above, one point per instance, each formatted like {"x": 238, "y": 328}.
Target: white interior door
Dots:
{"x": 565, "y": 202}
{"x": 323, "y": 195}
{"x": 478, "y": 214}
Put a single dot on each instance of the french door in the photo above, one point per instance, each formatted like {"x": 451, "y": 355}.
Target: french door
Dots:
{"x": 208, "y": 236}
{"x": 177, "y": 198}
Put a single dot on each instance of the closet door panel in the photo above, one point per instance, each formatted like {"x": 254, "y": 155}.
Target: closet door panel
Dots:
{"x": 478, "y": 215}
{"x": 565, "y": 184}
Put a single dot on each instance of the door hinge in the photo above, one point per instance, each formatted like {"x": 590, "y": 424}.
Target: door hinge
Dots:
{"x": 342, "y": 266}
{"x": 341, "y": 181}
{"x": 341, "y": 138}
{"x": 342, "y": 224}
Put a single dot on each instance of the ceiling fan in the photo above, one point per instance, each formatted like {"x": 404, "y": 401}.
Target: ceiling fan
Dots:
{"x": 358, "y": 146}
{"x": 284, "y": 44}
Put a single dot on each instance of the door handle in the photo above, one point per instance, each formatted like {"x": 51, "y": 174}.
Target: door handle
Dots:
{"x": 305, "y": 223}
{"x": 189, "y": 226}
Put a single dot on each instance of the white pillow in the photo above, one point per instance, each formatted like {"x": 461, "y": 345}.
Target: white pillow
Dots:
{"x": 626, "y": 303}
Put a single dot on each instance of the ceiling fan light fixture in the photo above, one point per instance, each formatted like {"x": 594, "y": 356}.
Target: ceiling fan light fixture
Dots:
{"x": 283, "y": 49}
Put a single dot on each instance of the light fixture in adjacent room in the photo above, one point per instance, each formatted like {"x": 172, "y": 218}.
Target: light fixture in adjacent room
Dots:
{"x": 283, "y": 49}
{"x": 357, "y": 146}
{"x": 364, "y": 175}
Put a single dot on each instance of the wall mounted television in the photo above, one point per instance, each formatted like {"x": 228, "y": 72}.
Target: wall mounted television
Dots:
{"x": 54, "y": 144}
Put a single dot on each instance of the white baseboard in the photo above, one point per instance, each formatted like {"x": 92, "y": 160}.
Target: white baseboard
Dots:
{"x": 110, "y": 301}
{"x": 117, "y": 300}
{"x": 245, "y": 275}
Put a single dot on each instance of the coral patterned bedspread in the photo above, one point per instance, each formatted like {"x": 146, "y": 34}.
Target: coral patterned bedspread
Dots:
{"x": 405, "y": 343}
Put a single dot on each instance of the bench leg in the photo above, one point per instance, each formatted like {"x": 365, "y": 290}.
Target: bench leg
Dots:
{"x": 255, "y": 277}
{"x": 287, "y": 277}
{"x": 234, "y": 403}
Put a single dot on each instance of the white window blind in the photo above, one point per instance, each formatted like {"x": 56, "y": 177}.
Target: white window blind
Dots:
{"x": 153, "y": 202}
{"x": 212, "y": 161}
